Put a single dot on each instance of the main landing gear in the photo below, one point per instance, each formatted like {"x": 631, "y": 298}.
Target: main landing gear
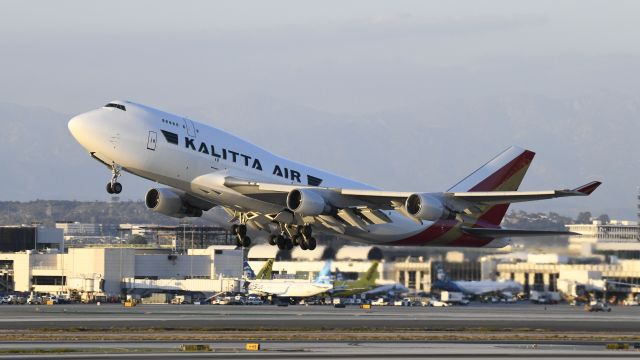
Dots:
{"x": 290, "y": 237}
{"x": 113, "y": 186}
{"x": 240, "y": 231}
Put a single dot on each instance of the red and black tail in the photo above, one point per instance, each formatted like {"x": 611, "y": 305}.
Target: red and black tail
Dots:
{"x": 502, "y": 173}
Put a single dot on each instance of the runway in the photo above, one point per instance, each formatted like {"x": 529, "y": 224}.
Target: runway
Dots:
{"x": 329, "y": 350}
{"x": 297, "y": 317}
{"x": 522, "y": 331}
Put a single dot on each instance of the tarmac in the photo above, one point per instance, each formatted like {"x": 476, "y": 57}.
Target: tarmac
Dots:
{"x": 338, "y": 350}
{"x": 299, "y": 317}
{"x": 522, "y": 331}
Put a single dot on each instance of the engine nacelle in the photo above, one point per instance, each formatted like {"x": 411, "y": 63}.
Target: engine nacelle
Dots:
{"x": 170, "y": 202}
{"x": 426, "y": 207}
{"x": 307, "y": 202}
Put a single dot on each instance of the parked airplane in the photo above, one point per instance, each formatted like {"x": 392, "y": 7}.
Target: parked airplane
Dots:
{"x": 265, "y": 272}
{"x": 365, "y": 282}
{"x": 478, "y": 287}
{"x": 288, "y": 288}
{"x": 205, "y": 168}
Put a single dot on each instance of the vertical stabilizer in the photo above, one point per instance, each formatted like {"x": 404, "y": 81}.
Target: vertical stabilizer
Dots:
{"x": 324, "y": 276}
{"x": 371, "y": 275}
{"x": 265, "y": 272}
{"x": 502, "y": 173}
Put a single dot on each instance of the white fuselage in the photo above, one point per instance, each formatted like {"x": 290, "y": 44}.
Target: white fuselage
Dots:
{"x": 287, "y": 288}
{"x": 135, "y": 139}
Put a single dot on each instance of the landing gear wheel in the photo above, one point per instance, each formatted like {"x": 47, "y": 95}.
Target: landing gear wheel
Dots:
{"x": 273, "y": 240}
{"x": 306, "y": 231}
{"x": 116, "y": 188}
{"x": 303, "y": 244}
{"x": 240, "y": 230}
{"x": 296, "y": 240}
{"x": 289, "y": 244}
{"x": 280, "y": 241}
{"x": 311, "y": 243}
{"x": 246, "y": 241}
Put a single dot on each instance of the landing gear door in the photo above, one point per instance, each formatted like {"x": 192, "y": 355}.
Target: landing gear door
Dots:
{"x": 190, "y": 128}
{"x": 151, "y": 141}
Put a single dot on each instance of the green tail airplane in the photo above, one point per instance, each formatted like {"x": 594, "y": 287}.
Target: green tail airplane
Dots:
{"x": 365, "y": 282}
{"x": 265, "y": 272}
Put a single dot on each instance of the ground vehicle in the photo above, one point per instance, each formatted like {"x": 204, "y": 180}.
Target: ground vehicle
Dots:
{"x": 253, "y": 300}
{"x": 402, "y": 302}
{"x": 54, "y": 299}
{"x": 238, "y": 300}
{"x": 222, "y": 300}
{"x": 311, "y": 301}
{"x": 451, "y": 297}
{"x": 34, "y": 299}
{"x": 436, "y": 303}
{"x": 597, "y": 307}
{"x": 181, "y": 299}
{"x": 544, "y": 297}
{"x": 15, "y": 299}
{"x": 380, "y": 302}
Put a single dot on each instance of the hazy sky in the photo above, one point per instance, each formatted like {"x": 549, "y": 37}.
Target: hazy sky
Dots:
{"x": 71, "y": 55}
{"x": 355, "y": 60}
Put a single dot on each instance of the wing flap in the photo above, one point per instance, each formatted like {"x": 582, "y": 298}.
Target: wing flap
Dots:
{"x": 499, "y": 232}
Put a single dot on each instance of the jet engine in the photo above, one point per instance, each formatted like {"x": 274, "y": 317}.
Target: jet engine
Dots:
{"x": 426, "y": 207}
{"x": 170, "y": 202}
{"x": 307, "y": 202}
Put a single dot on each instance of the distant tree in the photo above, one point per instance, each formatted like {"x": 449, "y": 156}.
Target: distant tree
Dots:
{"x": 138, "y": 240}
{"x": 584, "y": 218}
{"x": 604, "y": 218}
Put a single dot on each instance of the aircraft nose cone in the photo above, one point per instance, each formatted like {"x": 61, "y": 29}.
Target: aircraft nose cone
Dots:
{"x": 83, "y": 129}
{"x": 74, "y": 126}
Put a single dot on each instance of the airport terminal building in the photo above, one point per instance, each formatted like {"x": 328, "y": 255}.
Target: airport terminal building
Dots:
{"x": 44, "y": 267}
{"x": 603, "y": 258}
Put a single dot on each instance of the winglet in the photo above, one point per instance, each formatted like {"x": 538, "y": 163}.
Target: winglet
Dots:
{"x": 587, "y": 189}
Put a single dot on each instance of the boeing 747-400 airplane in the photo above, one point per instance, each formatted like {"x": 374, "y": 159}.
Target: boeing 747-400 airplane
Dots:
{"x": 205, "y": 168}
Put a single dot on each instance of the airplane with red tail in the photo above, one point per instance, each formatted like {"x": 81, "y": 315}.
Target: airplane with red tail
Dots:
{"x": 209, "y": 171}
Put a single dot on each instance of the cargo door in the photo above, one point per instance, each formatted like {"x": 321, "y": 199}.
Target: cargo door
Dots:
{"x": 190, "y": 127}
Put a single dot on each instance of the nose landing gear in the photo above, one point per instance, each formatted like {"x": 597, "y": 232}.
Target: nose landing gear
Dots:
{"x": 113, "y": 186}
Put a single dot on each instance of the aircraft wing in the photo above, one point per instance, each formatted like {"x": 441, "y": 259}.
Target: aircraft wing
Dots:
{"x": 387, "y": 200}
{"x": 501, "y": 197}
{"x": 360, "y": 207}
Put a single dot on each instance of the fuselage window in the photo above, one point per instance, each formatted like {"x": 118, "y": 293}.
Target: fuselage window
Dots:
{"x": 117, "y": 106}
{"x": 170, "y": 123}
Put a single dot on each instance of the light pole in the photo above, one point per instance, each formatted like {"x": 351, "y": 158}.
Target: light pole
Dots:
{"x": 191, "y": 257}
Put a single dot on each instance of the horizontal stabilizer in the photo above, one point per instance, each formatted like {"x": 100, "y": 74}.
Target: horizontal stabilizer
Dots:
{"x": 498, "y": 232}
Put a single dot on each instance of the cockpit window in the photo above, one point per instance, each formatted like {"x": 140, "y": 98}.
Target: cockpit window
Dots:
{"x": 117, "y": 106}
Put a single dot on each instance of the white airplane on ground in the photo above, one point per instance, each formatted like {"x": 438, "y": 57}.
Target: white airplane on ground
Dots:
{"x": 289, "y": 288}
{"x": 476, "y": 287}
{"x": 206, "y": 167}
